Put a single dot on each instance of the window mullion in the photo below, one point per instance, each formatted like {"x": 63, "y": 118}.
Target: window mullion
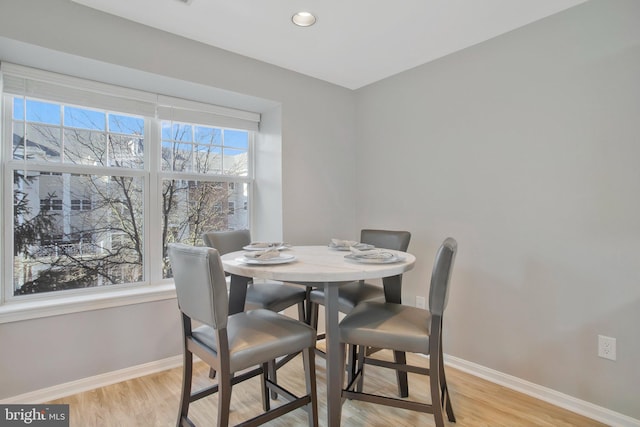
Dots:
{"x": 153, "y": 202}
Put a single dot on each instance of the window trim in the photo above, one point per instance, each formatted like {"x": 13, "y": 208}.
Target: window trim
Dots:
{"x": 56, "y": 305}
{"x": 153, "y": 288}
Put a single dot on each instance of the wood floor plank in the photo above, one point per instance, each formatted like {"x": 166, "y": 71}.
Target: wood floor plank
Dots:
{"x": 153, "y": 401}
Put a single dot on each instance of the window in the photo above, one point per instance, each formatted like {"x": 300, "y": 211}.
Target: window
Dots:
{"x": 49, "y": 204}
{"x": 91, "y": 168}
{"x": 193, "y": 206}
{"x": 81, "y": 205}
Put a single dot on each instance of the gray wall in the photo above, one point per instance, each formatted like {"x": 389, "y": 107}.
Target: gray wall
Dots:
{"x": 524, "y": 148}
{"x": 310, "y": 121}
{"x": 55, "y": 350}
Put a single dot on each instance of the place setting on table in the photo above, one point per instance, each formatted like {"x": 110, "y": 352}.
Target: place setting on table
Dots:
{"x": 266, "y": 253}
{"x": 263, "y": 246}
{"x": 271, "y": 253}
{"x": 346, "y": 245}
{"x": 364, "y": 253}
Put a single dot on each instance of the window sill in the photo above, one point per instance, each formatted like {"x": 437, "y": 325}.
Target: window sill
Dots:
{"x": 27, "y": 310}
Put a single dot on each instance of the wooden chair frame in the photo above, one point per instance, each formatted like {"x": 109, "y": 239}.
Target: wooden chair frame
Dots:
{"x": 438, "y": 383}
{"x": 226, "y": 380}
{"x": 358, "y": 321}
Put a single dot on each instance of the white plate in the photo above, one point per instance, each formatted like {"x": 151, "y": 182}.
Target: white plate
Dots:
{"x": 359, "y": 246}
{"x": 362, "y": 260}
{"x": 282, "y": 259}
{"x": 262, "y": 248}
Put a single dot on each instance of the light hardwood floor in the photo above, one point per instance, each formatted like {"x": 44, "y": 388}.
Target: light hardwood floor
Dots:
{"x": 153, "y": 401}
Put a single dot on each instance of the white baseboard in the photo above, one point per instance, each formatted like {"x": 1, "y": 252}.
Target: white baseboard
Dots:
{"x": 556, "y": 398}
{"x": 90, "y": 383}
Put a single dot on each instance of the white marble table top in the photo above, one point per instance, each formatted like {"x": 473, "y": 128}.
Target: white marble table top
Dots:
{"x": 317, "y": 264}
{"x": 328, "y": 268}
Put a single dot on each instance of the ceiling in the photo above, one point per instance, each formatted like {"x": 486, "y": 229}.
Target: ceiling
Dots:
{"x": 353, "y": 43}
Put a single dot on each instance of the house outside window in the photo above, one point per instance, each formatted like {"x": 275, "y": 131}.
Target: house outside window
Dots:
{"x": 88, "y": 174}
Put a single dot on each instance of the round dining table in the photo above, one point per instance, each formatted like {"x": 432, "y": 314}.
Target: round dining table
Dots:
{"x": 319, "y": 266}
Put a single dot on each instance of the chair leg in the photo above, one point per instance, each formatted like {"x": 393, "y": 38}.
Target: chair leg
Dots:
{"x": 185, "y": 396}
{"x": 302, "y": 315}
{"x": 313, "y": 315}
{"x": 273, "y": 376}
{"x": 266, "y": 404}
{"x": 307, "y": 307}
{"x": 360, "y": 368}
{"x": 435, "y": 362}
{"x": 224, "y": 398}
{"x": 400, "y": 357}
{"x": 352, "y": 358}
{"x": 446, "y": 398}
{"x": 308, "y": 357}
{"x": 434, "y": 382}
{"x": 313, "y": 322}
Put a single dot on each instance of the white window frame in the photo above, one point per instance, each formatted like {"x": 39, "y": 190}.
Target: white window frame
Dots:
{"x": 154, "y": 288}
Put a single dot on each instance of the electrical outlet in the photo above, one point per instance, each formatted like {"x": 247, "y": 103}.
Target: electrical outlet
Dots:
{"x": 421, "y": 302}
{"x": 607, "y": 347}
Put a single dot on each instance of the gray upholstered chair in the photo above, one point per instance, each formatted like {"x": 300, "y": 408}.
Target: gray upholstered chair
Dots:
{"x": 351, "y": 294}
{"x": 409, "y": 329}
{"x": 237, "y": 346}
{"x": 274, "y": 296}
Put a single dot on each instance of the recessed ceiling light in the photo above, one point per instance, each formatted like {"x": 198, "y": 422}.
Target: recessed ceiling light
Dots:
{"x": 304, "y": 19}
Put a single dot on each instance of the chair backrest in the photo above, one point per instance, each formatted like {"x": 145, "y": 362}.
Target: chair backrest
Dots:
{"x": 442, "y": 268}
{"x": 227, "y": 241}
{"x": 200, "y": 283}
{"x": 386, "y": 239}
